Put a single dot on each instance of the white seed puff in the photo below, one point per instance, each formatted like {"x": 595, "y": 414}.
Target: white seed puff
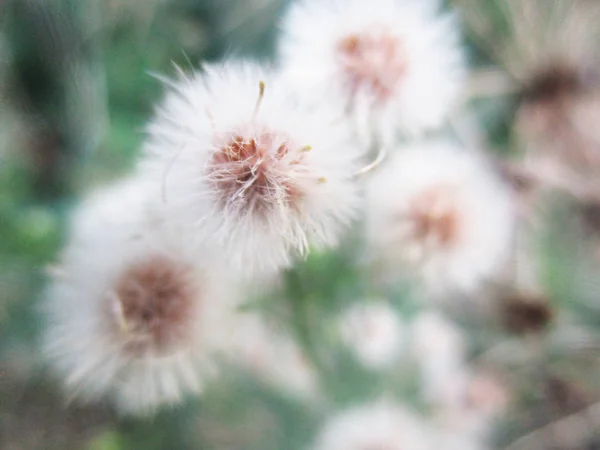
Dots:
{"x": 439, "y": 213}
{"x": 374, "y": 332}
{"x": 382, "y": 425}
{"x": 271, "y": 356}
{"x": 392, "y": 65}
{"x": 130, "y": 314}
{"x": 440, "y": 350}
{"x": 254, "y": 171}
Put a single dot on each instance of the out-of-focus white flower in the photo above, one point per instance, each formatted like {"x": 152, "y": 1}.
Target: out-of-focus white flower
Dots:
{"x": 449, "y": 440}
{"x": 131, "y": 314}
{"x": 484, "y": 398}
{"x": 439, "y": 213}
{"x": 464, "y": 401}
{"x": 374, "y": 332}
{"x": 390, "y": 64}
{"x": 253, "y": 170}
{"x": 381, "y": 426}
{"x": 440, "y": 350}
{"x": 270, "y": 355}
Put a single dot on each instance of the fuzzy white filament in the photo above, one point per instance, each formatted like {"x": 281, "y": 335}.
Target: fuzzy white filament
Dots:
{"x": 440, "y": 213}
{"x": 131, "y": 317}
{"x": 254, "y": 171}
{"x": 390, "y": 65}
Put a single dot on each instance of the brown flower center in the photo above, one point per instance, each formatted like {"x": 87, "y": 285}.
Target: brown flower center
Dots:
{"x": 375, "y": 60}
{"x": 255, "y": 173}
{"x": 154, "y": 306}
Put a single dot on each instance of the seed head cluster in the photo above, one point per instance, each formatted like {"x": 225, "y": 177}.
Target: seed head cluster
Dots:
{"x": 246, "y": 170}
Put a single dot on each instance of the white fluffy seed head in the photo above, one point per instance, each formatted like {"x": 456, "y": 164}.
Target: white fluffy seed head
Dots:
{"x": 253, "y": 170}
{"x": 271, "y": 355}
{"x": 130, "y": 312}
{"x": 440, "y": 350}
{"x": 377, "y": 426}
{"x": 374, "y": 332}
{"x": 391, "y": 65}
{"x": 464, "y": 402}
{"x": 440, "y": 213}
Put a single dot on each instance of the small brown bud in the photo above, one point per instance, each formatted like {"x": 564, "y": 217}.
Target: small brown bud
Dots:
{"x": 526, "y": 313}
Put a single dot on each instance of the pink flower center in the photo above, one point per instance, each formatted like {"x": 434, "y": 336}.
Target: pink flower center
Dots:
{"x": 433, "y": 218}
{"x": 256, "y": 174}
{"x": 373, "y": 60}
{"x": 155, "y": 302}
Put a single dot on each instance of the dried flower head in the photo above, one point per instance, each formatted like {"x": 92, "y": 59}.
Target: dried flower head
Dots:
{"x": 391, "y": 65}
{"x": 548, "y": 53}
{"x": 374, "y": 332}
{"x": 131, "y": 314}
{"x": 441, "y": 213}
{"x": 255, "y": 172}
{"x": 252, "y": 173}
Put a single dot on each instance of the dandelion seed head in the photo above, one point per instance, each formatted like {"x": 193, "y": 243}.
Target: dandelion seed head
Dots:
{"x": 134, "y": 314}
{"x": 374, "y": 332}
{"x": 374, "y": 59}
{"x": 251, "y": 168}
{"x": 440, "y": 213}
{"x": 390, "y": 67}
{"x": 556, "y": 79}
